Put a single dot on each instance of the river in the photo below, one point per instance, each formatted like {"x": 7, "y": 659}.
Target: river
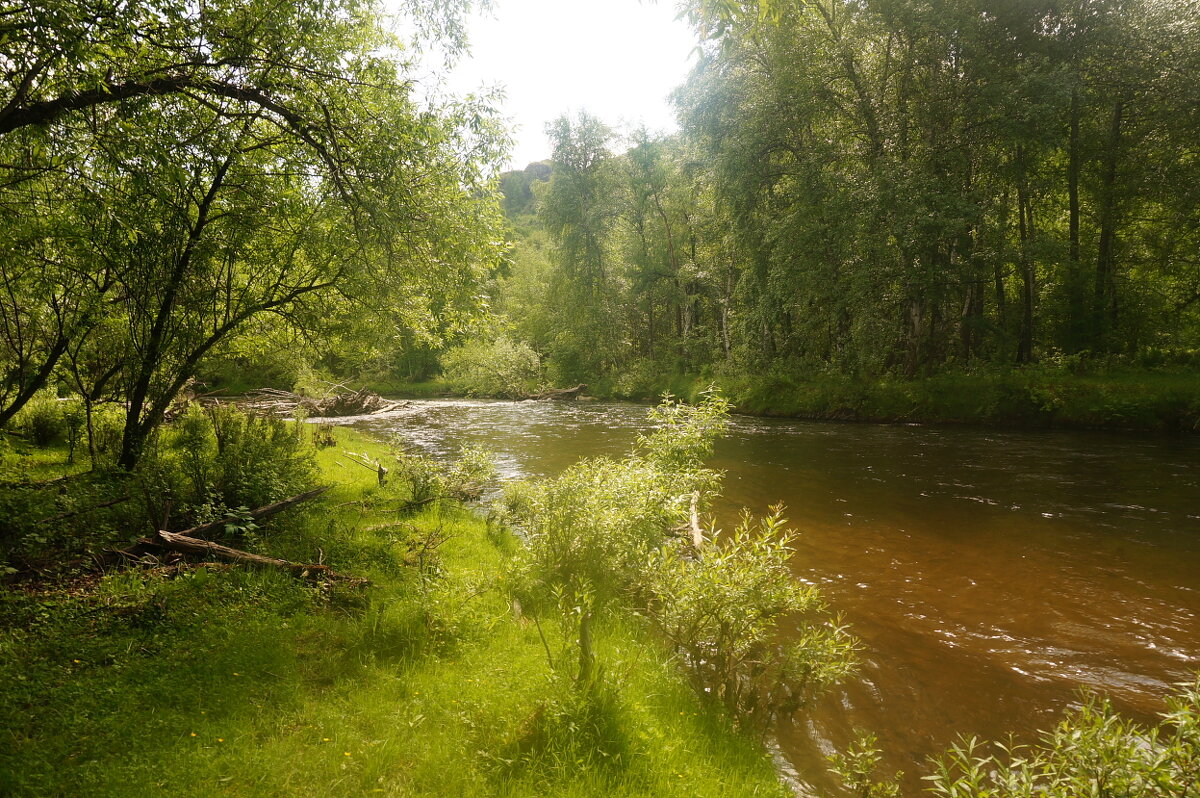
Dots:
{"x": 990, "y": 575}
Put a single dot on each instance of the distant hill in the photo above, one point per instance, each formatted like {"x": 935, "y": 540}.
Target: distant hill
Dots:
{"x": 517, "y": 187}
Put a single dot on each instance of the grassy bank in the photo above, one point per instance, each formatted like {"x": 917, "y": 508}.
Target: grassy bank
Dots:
{"x": 1127, "y": 399}
{"x": 218, "y": 680}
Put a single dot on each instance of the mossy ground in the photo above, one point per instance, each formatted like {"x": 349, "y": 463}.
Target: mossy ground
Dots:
{"x": 218, "y": 680}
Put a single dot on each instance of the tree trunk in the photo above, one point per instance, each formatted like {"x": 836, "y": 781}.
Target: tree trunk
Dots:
{"x": 1104, "y": 308}
{"x": 36, "y": 382}
{"x": 1076, "y": 321}
{"x": 1028, "y": 274}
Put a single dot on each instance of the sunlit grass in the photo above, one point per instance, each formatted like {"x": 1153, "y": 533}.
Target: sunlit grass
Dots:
{"x": 226, "y": 681}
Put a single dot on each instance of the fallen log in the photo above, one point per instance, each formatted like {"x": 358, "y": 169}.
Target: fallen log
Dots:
{"x": 255, "y": 515}
{"x": 206, "y": 548}
{"x": 561, "y": 393}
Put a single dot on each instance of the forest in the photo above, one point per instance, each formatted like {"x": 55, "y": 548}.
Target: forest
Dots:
{"x": 225, "y": 223}
{"x": 886, "y": 188}
{"x": 874, "y": 191}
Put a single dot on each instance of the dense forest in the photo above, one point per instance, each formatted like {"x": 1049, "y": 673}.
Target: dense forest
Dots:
{"x": 884, "y": 188}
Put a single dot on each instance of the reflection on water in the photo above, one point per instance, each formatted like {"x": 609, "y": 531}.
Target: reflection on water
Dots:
{"x": 990, "y": 575}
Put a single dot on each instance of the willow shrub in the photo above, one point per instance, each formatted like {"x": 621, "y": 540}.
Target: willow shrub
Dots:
{"x": 591, "y": 530}
{"x": 607, "y": 532}
{"x": 724, "y": 609}
{"x": 1093, "y": 751}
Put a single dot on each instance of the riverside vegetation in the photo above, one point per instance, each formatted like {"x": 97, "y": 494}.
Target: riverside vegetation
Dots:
{"x": 581, "y": 637}
{"x": 228, "y": 191}
{"x": 213, "y": 678}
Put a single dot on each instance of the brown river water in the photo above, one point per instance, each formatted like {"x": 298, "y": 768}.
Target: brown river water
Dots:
{"x": 990, "y": 575}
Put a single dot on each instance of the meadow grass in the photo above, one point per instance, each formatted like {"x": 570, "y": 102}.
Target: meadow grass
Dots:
{"x": 218, "y": 680}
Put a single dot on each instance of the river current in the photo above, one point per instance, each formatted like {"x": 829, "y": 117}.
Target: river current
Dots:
{"x": 990, "y": 575}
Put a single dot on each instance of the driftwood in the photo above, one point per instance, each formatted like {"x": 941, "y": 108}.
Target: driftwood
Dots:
{"x": 561, "y": 393}
{"x": 357, "y": 403}
{"x": 255, "y": 515}
{"x": 206, "y": 548}
{"x": 690, "y": 530}
{"x": 351, "y": 403}
{"x": 272, "y": 401}
{"x": 188, "y": 542}
{"x": 363, "y": 460}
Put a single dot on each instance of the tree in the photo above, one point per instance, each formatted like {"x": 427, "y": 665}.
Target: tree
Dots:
{"x": 237, "y": 160}
{"x": 579, "y": 210}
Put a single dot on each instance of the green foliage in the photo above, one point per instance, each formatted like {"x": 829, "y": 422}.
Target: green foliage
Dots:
{"x": 729, "y": 612}
{"x": 1093, "y": 751}
{"x": 213, "y": 461}
{"x": 43, "y": 419}
{"x": 501, "y": 368}
{"x": 426, "y": 479}
{"x": 684, "y": 434}
{"x": 592, "y": 528}
{"x": 603, "y": 533}
{"x": 856, "y": 768}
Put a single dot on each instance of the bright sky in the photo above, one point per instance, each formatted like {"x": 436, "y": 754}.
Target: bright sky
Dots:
{"x": 617, "y": 59}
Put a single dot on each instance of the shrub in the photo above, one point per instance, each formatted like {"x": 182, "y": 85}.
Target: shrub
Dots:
{"x": 723, "y": 610}
{"x": 605, "y": 532}
{"x": 1093, "y": 751}
{"x": 465, "y": 479}
{"x": 590, "y": 531}
{"x": 209, "y": 463}
{"x": 596, "y": 524}
{"x": 502, "y": 368}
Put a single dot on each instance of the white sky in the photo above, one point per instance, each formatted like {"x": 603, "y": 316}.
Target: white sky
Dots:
{"x": 617, "y": 59}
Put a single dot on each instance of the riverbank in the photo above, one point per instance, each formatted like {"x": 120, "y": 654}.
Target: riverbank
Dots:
{"x": 1032, "y": 398}
{"x": 218, "y": 680}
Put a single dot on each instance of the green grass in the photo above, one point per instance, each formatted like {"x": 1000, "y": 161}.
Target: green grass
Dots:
{"x": 226, "y": 681}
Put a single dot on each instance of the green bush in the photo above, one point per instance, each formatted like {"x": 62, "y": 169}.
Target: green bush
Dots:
{"x": 1093, "y": 752}
{"x": 723, "y": 608}
{"x": 594, "y": 526}
{"x": 607, "y": 532}
{"x": 501, "y": 367}
{"x": 465, "y": 479}
{"x": 210, "y": 462}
